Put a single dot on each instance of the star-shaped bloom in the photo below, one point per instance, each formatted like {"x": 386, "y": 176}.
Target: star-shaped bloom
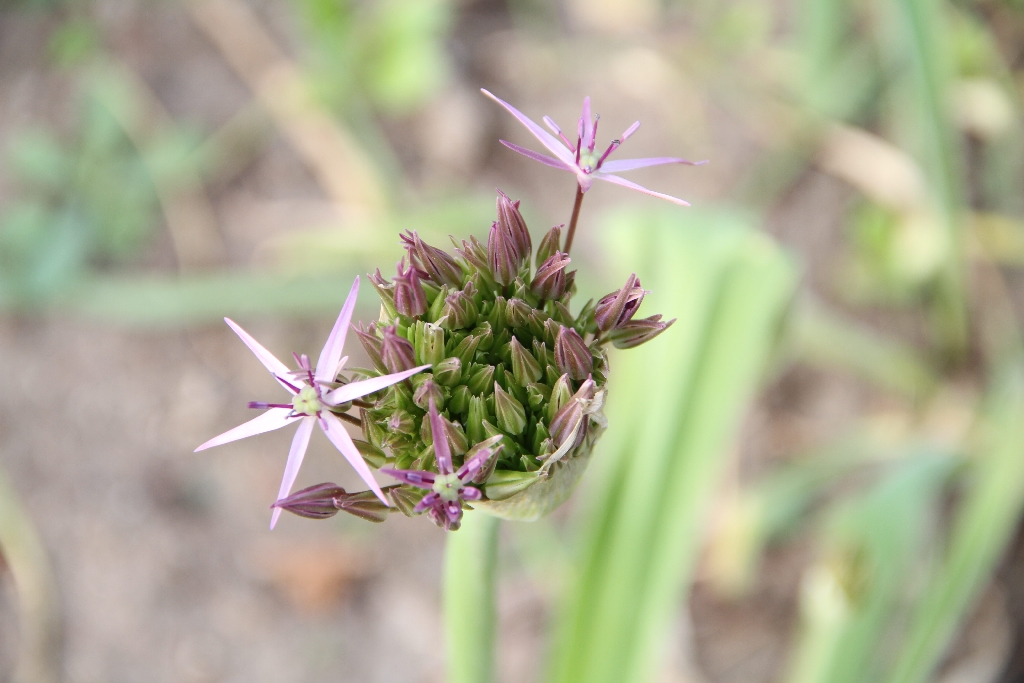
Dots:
{"x": 448, "y": 488}
{"x": 581, "y": 159}
{"x": 312, "y": 400}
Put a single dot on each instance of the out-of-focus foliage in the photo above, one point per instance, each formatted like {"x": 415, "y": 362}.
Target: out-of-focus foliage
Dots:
{"x": 390, "y": 52}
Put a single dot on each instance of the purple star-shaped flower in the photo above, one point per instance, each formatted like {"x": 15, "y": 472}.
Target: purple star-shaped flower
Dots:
{"x": 581, "y": 158}
{"x": 311, "y": 401}
{"x": 448, "y": 488}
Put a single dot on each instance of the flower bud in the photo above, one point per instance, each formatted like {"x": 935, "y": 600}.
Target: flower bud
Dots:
{"x": 437, "y": 304}
{"x": 570, "y": 424}
{"x": 549, "y": 283}
{"x": 432, "y": 262}
{"x": 518, "y": 312}
{"x": 457, "y": 441}
{"x": 410, "y": 299}
{"x": 371, "y": 430}
{"x": 448, "y": 372}
{"x": 549, "y": 245}
{"x": 459, "y": 402}
{"x": 540, "y": 352}
{"x": 405, "y": 498}
{"x": 477, "y": 417}
{"x": 397, "y": 352}
{"x": 617, "y": 308}
{"x": 502, "y": 257}
{"x": 561, "y": 393}
{"x": 637, "y": 332}
{"x": 537, "y": 394}
{"x": 373, "y": 345}
{"x": 475, "y": 254}
{"x": 512, "y": 222}
{"x": 429, "y": 343}
{"x": 510, "y": 412}
{"x": 571, "y": 355}
{"x": 371, "y": 454}
{"x": 386, "y": 291}
{"x": 465, "y": 350}
{"x": 426, "y": 392}
{"x": 325, "y": 500}
{"x": 480, "y": 381}
{"x": 540, "y": 435}
{"x": 460, "y": 310}
{"x": 525, "y": 367}
{"x": 505, "y": 484}
{"x": 401, "y": 422}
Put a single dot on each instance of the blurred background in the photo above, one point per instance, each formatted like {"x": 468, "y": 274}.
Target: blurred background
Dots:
{"x": 853, "y": 507}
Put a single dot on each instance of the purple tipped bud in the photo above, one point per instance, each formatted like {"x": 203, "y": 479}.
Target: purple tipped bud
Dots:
{"x": 510, "y": 413}
{"x": 502, "y": 257}
{"x": 404, "y": 498}
{"x": 617, "y": 308}
{"x": 637, "y": 332}
{"x": 448, "y": 372}
{"x": 326, "y": 500}
{"x": 475, "y": 254}
{"x": 549, "y": 245}
{"x": 401, "y": 422}
{"x": 512, "y": 221}
{"x": 410, "y": 299}
{"x": 396, "y": 351}
{"x": 525, "y": 367}
{"x": 426, "y": 392}
{"x": 372, "y": 344}
{"x": 385, "y": 289}
{"x": 570, "y": 423}
{"x": 433, "y": 263}
{"x": 571, "y": 355}
{"x": 460, "y": 310}
{"x": 550, "y": 281}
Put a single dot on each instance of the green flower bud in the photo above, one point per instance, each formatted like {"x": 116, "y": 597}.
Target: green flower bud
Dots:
{"x": 448, "y": 372}
{"x": 537, "y": 395}
{"x": 427, "y": 391}
{"x": 549, "y": 245}
{"x": 518, "y": 312}
{"x": 510, "y": 412}
{"x": 428, "y": 342}
{"x": 401, "y": 422}
{"x": 465, "y": 350}
{"x": 437, "y": 305}
{"x": 525, "y": 367}
{"x": 459, "y": 401}
{"x": 503, "y": 484}
{"x": 371, "y": 430}
{"x": 405, "y": 498}
{"x": 561, "y": 393}
{"x": 374, "y": 456}
{"x": 481, "y": 379}
{"x": 478, "y": 415}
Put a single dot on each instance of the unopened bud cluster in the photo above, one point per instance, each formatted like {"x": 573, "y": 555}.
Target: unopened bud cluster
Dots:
{"x": 514, "y": 370}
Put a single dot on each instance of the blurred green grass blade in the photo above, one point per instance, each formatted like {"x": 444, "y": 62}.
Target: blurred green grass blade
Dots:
{"x": 922, "y": 39}
{"x": 672, "y": 411}
{"x": 469, "y": 598}
{"x": 981, "y": 529}
{"x": 27, "y": 561}
{"x": 869, "y": 547}
{"x": 170, "y": 301}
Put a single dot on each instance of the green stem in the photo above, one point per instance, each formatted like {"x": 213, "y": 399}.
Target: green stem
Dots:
{"x": 469, "y": 598}
{"x": 574, "y": 219}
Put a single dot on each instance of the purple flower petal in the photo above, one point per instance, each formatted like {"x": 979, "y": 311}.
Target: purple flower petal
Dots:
{"x": 327, "y": 366}
{"x": 537, "y": 156}
{"x": 348, "y": 392}
{"x": 630, "y": 164}
{"x": 588, "y": 125}
{"x": 270, "y": 362}
{"x": 546, "y": 139}
{"x": 343, "y": 442}
{"x": 420, "y": 478}
{"x": 442, "y": 452}
{"x": 291, "y": 468}
{"x": 633, "y": 186}
{"x": 275, "y": 418}
{"x": 471, "y": 493}
{"x": 428, "y": 501}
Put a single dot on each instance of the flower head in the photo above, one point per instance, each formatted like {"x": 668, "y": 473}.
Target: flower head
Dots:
{"x": 581, "y": 158}
{"x": 448, "y": 487}
{"x": 317, "y": 399}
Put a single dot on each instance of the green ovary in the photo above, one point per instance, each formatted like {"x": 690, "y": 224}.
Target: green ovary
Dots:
{"x": 307, "y": 402}
{"x": 447, "y": 486}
